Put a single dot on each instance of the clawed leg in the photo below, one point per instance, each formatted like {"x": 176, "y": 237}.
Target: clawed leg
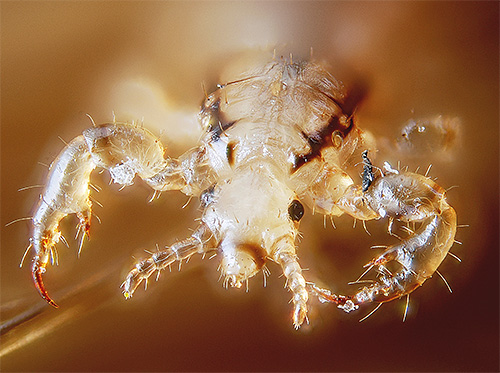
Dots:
{"x": 199, "y": 242}
{"x": 402, "y": 267}
{"x": 126, "y": 151}
{"x": 67, "y": 192}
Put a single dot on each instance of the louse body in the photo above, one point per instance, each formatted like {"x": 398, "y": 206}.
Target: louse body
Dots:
{"x": 280, "y": 137}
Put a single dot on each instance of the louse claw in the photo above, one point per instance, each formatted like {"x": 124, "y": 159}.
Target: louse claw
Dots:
{"x": 47, "y": 245}
{"x": 36, "y": 271}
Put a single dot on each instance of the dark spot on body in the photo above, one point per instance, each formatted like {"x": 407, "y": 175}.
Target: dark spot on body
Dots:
{"x": 230, "y": 153}
{"x": 337, "y": 128}
{"x": 296, "y": 210}
{"x": 340, "y": 126}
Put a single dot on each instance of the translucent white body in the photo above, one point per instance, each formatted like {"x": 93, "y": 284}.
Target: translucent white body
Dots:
{"x": 276, "y": 139}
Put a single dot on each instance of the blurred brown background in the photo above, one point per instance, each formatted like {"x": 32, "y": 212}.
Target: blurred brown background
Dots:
{"x": 61, "y": 60}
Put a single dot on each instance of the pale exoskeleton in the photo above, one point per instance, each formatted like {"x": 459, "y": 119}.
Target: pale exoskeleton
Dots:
{"x": 281, "y": 136}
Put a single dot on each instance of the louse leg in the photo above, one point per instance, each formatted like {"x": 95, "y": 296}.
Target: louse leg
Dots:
{"x": 125, "y": 150}
{"x": 66, "y": 192}
{"x": 198, "y": 243}
{"x": 286, "y": 257}
{"x": 407, "y": 197}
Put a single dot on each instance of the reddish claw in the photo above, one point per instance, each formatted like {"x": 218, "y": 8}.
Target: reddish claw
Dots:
{"x": 36, "y": 271}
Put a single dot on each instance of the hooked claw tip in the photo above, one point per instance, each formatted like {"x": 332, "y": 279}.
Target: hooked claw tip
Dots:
{"x": 37, "y": 278}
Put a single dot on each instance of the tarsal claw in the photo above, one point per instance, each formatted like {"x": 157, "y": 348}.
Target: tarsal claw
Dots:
{"x": 36, "y": 271}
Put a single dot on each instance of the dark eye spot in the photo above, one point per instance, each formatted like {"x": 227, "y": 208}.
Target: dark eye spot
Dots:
{"x": 295, "y": 210}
